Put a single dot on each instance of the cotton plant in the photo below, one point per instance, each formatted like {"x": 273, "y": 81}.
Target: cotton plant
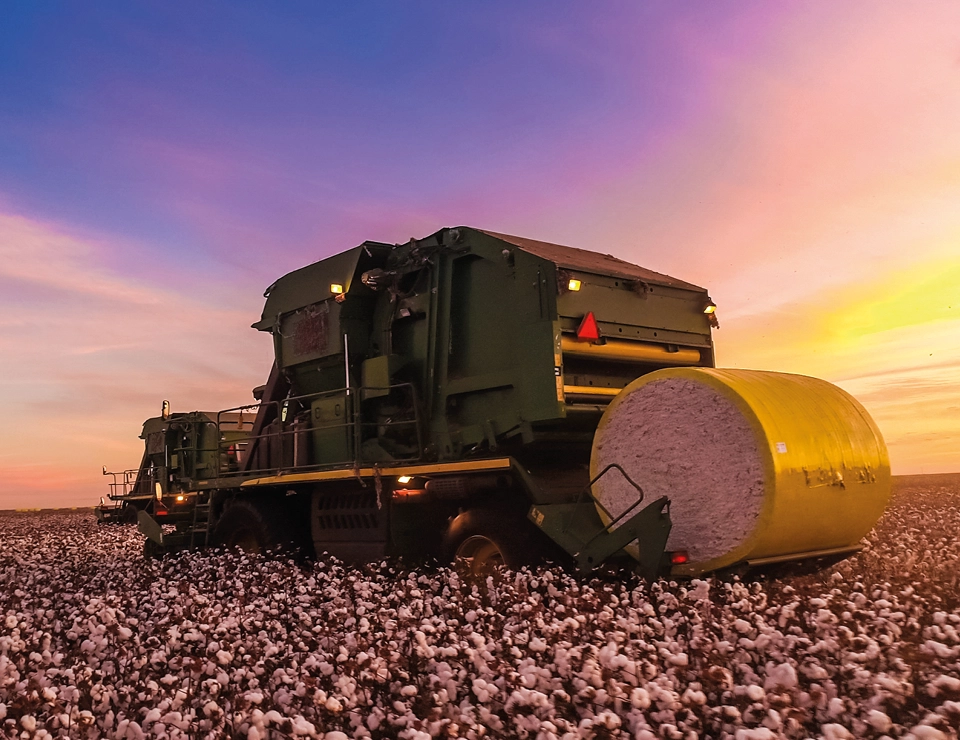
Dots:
{"x": 96, "y": 641}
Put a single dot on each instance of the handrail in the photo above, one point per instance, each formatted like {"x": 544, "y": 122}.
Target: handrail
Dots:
{"x": 289, "y": 425}
{"x": 587, "y": 489}
{"x": 231, "y": 438}
{"x": 123, "y": 483}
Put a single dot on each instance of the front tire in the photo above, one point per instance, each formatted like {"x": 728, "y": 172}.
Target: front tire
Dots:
{"x": 151, "y": 550}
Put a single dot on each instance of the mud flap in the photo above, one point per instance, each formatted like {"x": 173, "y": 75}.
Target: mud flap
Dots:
{"x": 149, "y": 527}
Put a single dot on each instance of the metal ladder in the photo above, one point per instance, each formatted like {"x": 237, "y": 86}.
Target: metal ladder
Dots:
{"x": 200, "y": 529}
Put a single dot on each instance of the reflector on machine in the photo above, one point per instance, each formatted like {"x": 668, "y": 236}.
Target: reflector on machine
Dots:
{"x": 588, "y": 331}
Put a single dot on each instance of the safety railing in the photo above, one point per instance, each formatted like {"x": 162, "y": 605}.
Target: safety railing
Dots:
{"x": 126, "y": 483}
{"x": 345, "y": 427}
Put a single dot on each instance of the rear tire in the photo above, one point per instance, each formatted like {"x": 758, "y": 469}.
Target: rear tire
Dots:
{"x": 129, "y": 514}
{"x": 250, "y": 526}
{"x": 481, "y": 542}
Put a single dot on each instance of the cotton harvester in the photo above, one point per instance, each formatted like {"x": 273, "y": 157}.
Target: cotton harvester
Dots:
{"x": 499, "y": 400}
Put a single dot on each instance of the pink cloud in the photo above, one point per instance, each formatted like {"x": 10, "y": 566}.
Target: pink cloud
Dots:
{"x": 821, "y": 152}
{"x": 89, "y": 353}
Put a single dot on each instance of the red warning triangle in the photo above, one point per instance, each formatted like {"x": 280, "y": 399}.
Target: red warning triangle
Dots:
{"x": 588, "y": 331}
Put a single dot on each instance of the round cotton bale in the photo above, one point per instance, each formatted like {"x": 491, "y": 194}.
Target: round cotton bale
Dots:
{"x": 756, "y": 465}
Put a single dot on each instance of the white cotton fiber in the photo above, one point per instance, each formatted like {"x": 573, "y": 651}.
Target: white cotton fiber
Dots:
{"x": 685, "y": 440}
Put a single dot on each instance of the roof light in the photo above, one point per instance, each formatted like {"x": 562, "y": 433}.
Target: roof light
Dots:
{"x": 574, "y": 284}
{"x": 710, "y": 307}
{"x": 679, "y": 557}
{"x": 336, "y": 288}
{"x": 404, "y": 479}
{"x": 588, "y": 331}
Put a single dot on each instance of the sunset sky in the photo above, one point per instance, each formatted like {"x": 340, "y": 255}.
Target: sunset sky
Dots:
{"x": 161, "y": 164}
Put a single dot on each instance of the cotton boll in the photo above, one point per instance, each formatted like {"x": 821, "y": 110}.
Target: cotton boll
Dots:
{"x": 879, "y": 721}
{"x": 925, "y": 732}
{"x": 939, "y": 649}
{"x": 835, "y": 708}
{"x": 301, "y": 727}
{"x": 730, "y": 713}
{"x": 273, "y": 717}
{"x": 639, "y": 698}
{"x": 755, "y": 693}
{"x": 691, "y": 696}
{"x": 758, "y": 733}
{"x": 680, "y": 659}
{"x": 604, "y": 639}
{"x": 944, "y": 685}
{"x": 783, "y": 676}
{"x": 836, "y": 732}
{"x": 699, "y": 590}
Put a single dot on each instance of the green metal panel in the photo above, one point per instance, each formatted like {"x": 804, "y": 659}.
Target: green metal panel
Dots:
{"x": 495, "y": 322}
{"x": 376, "y": 375}
{"x": 308, "y": 334}
{"x": 465, "y": 328}
{"x": 630, "y": 310}
{"x": 208, "y": 448}
{"x": 312, "y": 283}
{"x": 332, "y": 431}
{"x": 473, "y": 319}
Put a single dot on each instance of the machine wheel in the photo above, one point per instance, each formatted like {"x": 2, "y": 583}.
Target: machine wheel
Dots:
{"x": 249, "y": 526}
{"x": 481, "y": 542}
{"x": 129, "y": 514}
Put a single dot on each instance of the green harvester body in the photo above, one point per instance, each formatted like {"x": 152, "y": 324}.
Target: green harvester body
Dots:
{"x": 415, "y": 382}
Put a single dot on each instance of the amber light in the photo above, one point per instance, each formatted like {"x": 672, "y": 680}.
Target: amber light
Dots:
{"x": 679, "y": 557}
{"x": 404, "y": 479}
{"x": 408, "y": 495}
{"x": 710, "y": 308}
{"x": 574, "y": 284}
{"x": 336, "y": 288}
{"x": 180, "y": 499}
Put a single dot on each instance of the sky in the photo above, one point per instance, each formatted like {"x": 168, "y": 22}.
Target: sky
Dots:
{"x": 162, "y": 163}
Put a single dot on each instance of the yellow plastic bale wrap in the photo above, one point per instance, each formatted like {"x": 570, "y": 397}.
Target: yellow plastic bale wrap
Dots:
{"x": 757, "y": 465}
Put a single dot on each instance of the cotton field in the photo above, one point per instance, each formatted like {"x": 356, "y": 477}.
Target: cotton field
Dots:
{"x": 95, "y": 641}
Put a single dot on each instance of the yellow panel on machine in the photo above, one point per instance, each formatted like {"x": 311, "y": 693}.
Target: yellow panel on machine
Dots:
{"x": 758, "y": 466}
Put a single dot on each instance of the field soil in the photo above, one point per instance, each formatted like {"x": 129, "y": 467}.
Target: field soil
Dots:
{"x": 96, "y": 641}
